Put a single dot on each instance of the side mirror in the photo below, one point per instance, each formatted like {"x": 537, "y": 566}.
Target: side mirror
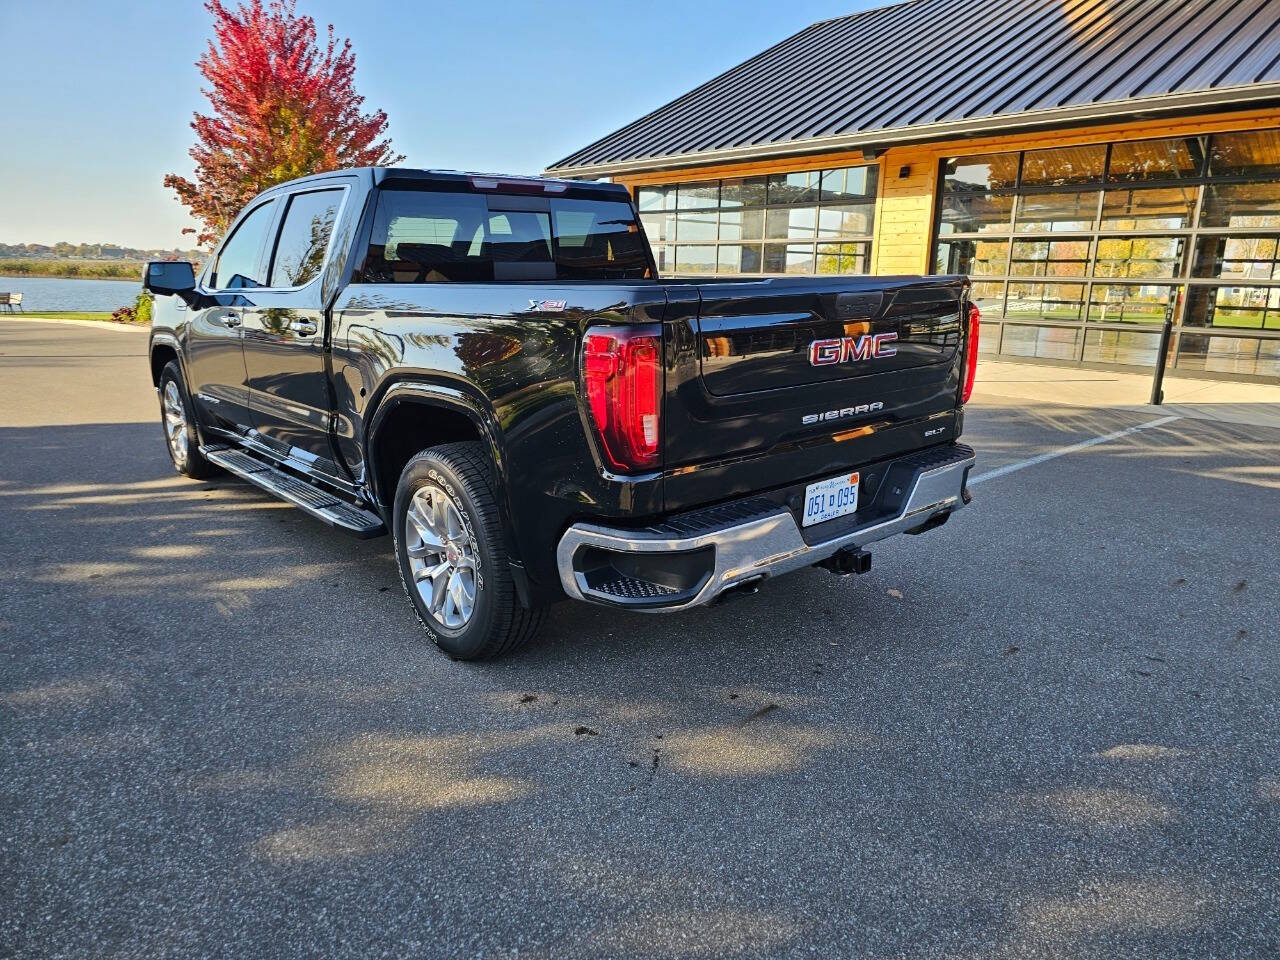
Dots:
{"x": 169, "y": 278}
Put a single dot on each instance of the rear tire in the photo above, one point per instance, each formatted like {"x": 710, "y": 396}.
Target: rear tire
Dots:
{"x": 178, "y": 421}
{"x": 452, "y": 554}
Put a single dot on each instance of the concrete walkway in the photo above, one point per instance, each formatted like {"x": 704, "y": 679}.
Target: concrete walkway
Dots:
{"x": 1256, "y": 404}
{"x": 68, "y": 321}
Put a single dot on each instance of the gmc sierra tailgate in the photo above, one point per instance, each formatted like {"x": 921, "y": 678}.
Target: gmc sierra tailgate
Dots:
{"x": 773, "y": 382}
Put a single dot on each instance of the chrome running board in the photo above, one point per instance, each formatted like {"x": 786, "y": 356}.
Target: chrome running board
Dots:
{"x": 317, "y": 501}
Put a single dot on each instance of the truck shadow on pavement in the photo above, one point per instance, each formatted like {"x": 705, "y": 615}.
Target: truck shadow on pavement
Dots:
{"x": 1047, "y": 726}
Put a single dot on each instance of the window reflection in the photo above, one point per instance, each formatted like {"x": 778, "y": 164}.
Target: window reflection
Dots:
{"x": 1062, "y": 166}
{"x": 1139, "y": 257}
{"x": 844, "y": 258}
{"x": 1057, "y": 212}
{"x": 785, "y": 222}
{"x": 794, "y": 187}
{"x": 696, "y": 227}
{"x": 1247, "y": 206}
{"x": 1148, "y": 208}
{"x": 1053, "y": 301}
{"x": 788, "y": 258}
{"x": 695, "y": 259}
{"x": 849, "y": 183}
{"x": 1104, "y": 234}
{"x": 979, "y": 174}
{"x": 1252, "y": 154}
{"x": 743, "y": 192}
{"x": 1237, "y": 258}
{"x": 742, "y": 224}
{"x": 977, "y": 213}
{"x": 715, "y": 226}
{"x": 1236, "y": 355}
{"x": 1254, "y": 308}
{"x": 1130, "y": 303}
{"x": 1050, "y": 258}
{"x": 846, "y": 219}
{"x": 978, "y": 258}
{"x": 698, "y": 196}
{"x": 1156, "y": 159}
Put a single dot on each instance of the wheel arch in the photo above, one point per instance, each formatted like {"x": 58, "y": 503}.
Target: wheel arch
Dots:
{"x": 398, "y": 430}
{"x": 164, "y": 349}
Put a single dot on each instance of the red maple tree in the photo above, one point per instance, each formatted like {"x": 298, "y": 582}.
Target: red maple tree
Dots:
{"x": 282, "y": 108}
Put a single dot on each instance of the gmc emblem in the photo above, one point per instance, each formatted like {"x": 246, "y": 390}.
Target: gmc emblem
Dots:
{"x": 845, "y": 349}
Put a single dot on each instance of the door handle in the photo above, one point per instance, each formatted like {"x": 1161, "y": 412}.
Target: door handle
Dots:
{"x": 303, "y": 328}
{"x": 228, "y": 319}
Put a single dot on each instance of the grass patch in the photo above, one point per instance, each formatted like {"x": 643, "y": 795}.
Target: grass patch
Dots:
{"x": 73, "y": 269}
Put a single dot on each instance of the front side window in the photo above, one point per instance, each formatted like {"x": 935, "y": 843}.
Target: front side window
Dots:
{"x": 304, "y": 237}
{"x": 239, "y": 260}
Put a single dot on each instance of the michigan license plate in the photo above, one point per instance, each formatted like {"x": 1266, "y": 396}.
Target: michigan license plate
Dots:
{"x": 828, "y": 499}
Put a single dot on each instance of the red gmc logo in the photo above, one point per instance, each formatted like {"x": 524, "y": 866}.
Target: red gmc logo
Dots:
{"x": 846, "y": 349}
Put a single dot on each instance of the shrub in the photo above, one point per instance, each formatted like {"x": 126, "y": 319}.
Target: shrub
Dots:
{"x": 142, "y": 308}
{"x": 140, "y": 312}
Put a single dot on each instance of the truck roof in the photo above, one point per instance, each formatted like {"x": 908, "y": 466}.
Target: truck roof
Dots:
{"x": 472, "y": 179}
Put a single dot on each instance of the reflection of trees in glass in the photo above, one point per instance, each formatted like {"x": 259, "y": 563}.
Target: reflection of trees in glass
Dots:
{"x": 311, "y": 257}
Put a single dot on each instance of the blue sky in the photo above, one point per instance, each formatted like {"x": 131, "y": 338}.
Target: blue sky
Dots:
{"x": 98, "y": 97}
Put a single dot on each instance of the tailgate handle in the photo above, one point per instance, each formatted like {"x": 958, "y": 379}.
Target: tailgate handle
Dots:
{"x": 858, "y": 306}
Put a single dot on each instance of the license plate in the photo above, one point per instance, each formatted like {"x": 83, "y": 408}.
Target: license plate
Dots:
{"x": 828, "y": 499}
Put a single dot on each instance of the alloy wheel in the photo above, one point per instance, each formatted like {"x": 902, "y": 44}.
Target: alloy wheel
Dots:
{"x": 442, "y": 556}
{"x": 175, "y": 423}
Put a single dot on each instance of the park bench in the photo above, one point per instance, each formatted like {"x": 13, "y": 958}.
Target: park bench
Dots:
{"x": 11, "y": 300}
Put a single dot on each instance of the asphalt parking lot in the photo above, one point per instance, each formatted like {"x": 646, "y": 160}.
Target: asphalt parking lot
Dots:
{"x": 1049, "y": 728}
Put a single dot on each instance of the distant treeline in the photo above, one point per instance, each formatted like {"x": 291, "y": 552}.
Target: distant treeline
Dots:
{"x": 90, "y": 269}
{"x": 91, "y": 251}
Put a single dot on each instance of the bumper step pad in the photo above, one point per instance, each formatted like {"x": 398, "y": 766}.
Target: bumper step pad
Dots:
{"x": 317, "y": 501}
{"x": 744, "y": 541}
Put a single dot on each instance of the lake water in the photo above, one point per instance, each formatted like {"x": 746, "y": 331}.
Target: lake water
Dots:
{"x": 52, "y": 293}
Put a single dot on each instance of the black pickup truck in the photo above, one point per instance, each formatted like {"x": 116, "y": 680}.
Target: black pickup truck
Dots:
{"x": 490, "y": 369}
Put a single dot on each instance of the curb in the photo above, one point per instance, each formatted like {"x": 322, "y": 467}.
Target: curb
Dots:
{"x": 97, "y": 324}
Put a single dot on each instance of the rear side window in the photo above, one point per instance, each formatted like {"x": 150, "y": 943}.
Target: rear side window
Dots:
{"x": 240, "y": 257}
{"x": 304, "y": 237}
{"x": 598, "y": 240}
{"x": 429, "y": 237}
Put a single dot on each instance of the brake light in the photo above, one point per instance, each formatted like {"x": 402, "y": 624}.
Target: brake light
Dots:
{"x": 971, "y": 353}
{"x": 518, "y": 184}
{"x": 622, "y": 378}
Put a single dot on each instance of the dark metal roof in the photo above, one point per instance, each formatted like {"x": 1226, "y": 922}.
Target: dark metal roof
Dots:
{"x": 927, "y": 69}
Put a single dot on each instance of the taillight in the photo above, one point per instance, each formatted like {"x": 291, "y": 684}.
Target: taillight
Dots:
{"x": 622, "y": 377}
{"x": 971, "y": 353}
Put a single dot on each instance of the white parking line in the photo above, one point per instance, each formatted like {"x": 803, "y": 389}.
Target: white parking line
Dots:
{"x": 1063, "y": 451}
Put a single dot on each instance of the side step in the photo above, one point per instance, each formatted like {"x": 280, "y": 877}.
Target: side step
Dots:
{"x": 318, "y": 502}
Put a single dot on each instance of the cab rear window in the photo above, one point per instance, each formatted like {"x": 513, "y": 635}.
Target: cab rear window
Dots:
{"x": 422, "y": 236}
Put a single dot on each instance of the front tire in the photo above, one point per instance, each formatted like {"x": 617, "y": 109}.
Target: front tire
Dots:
{"x": 176, "y": 417}
{"x": 452, "y": 554}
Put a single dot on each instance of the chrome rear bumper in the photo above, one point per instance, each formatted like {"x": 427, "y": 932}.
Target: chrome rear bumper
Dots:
{"x": 750, "y": 539}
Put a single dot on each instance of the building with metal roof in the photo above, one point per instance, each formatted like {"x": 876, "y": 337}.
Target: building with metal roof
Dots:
{"x": 1096, "y": 166}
